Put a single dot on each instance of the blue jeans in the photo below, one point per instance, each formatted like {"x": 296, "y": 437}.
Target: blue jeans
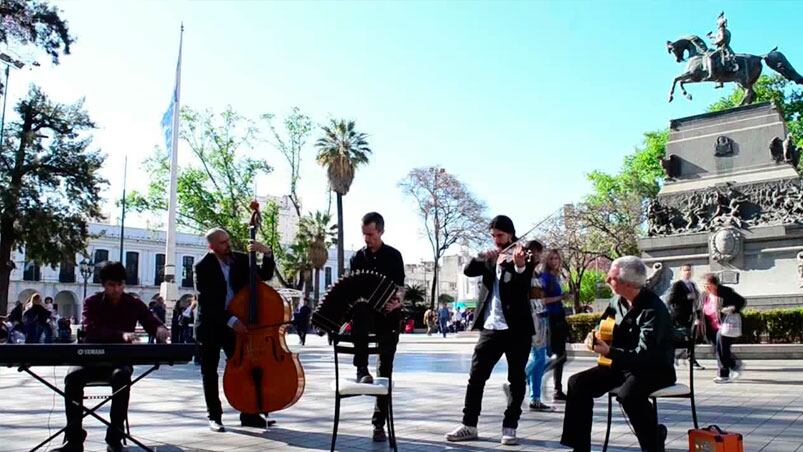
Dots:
{"x": 444, "y": 327}
{"x": 34, "y": 331}
{"x": 535, "y": 371}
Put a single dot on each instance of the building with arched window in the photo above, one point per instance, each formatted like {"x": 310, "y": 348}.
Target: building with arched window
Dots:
{"x": 143, "y": 257}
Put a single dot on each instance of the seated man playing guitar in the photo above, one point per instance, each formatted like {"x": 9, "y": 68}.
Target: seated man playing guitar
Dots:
{"x": 109, "y": 317}
{"x": 642, "y": 361}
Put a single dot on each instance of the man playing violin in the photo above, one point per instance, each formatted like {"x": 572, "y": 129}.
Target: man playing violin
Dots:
{"x": 506, "y": 327}
{"x": 386, "y": 260}
{"x": 642, "y": 357}
{"x": 219, "y": 275}
{"x": 108, "y": 317}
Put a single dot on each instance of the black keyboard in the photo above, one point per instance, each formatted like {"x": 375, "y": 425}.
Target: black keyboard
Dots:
{"x": 13, "y": 355}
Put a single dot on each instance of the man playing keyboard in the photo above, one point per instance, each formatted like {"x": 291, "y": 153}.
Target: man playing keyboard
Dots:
{"x": 108, "y": 317}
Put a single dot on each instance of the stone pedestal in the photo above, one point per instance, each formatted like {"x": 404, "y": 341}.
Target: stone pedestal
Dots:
{"x": 731, "y": 204}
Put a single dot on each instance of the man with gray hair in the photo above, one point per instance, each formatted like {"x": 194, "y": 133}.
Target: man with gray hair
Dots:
{"x": 643, "y": 361}
{"x": 219, "y": 275}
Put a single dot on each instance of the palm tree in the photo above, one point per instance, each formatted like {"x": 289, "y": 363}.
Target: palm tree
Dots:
{"x": 414, "y": 294}
{"x": 315, "y": 230}
{"x": 295, "y": 263}
{"x": 341, "y": 150}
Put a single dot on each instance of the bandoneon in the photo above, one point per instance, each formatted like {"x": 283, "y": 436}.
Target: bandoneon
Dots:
{"x": 359, "y": 287}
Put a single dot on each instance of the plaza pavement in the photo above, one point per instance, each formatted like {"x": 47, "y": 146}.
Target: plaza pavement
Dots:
{"x": 167, "y": 408}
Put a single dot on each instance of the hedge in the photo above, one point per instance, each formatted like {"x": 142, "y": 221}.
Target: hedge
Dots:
{"x": 776, "y": 326}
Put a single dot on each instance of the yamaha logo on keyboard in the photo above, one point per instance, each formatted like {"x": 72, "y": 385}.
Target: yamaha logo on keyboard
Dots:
{"x": 91, "y": 351}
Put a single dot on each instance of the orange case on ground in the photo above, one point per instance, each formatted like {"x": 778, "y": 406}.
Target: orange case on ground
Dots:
{"x": 714, "y": 439}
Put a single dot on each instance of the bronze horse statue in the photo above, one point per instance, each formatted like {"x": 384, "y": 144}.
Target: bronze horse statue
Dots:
{"x": 747, "y": 72}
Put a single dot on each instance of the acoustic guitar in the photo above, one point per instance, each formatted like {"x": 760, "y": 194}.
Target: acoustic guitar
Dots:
{"x": 605, "y": 334}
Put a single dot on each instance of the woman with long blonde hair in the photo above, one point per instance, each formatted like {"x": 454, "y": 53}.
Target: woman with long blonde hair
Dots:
{"x": 550, "y": 274}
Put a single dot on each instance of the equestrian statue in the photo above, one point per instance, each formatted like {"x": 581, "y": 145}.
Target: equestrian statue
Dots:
{"x": 722, "y": 65}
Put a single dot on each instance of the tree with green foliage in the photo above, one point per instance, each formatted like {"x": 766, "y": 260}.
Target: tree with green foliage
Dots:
{"x": 290, "y": 143}
{"x": 34, "y": 24}
{"x": 317, "y": 233}
{"x": 415, "y": 294}
{"x": 615, "y": 210}
{"x": 216, "y": 182}
{"x": 593, "y": 286}
{"x": 295, "y": 265}
{"x": 445, "y": 298}
{"x": 341, "y": 150}
{"x": 51, "y": 184}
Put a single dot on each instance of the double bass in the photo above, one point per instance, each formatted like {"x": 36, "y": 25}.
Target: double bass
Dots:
{"x": 262, "y": 375}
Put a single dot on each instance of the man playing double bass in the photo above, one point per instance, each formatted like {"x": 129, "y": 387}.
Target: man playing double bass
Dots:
{"x": 386, "y": 260}
{"x": 219, "y": 275}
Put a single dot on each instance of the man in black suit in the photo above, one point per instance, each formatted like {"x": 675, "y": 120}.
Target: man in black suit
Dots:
{"x": 219, "y": 275}
{"x": 684, "y": 305}
{"x": 506, "y": 327}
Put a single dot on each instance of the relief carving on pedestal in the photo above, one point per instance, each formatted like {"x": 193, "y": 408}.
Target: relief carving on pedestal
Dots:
{"x": 725, "y": 245}
{"x": 766, "y": 203}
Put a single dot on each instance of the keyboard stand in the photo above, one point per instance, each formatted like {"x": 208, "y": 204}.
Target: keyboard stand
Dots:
{"x": 89, "y": 411}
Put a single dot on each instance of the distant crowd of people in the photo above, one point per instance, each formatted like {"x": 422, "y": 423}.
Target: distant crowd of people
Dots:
{"x": 444, "y": 321}
{"x": 35, "y": 321}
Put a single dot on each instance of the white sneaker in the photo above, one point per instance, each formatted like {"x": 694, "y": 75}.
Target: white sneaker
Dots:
{"x": 719, "y": 379}
{"x": 216, "y": 426}
{"x": 462, "y": 433}
{"x": 734, "y": 374}
{"x": 509, "y": 437}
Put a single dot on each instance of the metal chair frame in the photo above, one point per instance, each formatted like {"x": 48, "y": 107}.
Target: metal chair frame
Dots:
{"x": 690, "y": 395}
{"x": 373, "y": 349}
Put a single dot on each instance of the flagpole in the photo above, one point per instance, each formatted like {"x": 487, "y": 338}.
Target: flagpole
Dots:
{"x": 169, "y": 289}
{"x": 122, "y": 217}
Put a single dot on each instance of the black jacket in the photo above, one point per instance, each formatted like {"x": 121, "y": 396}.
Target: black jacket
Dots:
{"x": 731, "y": 298}
{"x": 210, "y": 285}
{"x": 683, "y": 308}
{"x": 642, "y": 338}
{"x": 513, "y": 292}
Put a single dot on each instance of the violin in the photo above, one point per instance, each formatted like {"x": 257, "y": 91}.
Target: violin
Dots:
{"x": 262, "y": 375}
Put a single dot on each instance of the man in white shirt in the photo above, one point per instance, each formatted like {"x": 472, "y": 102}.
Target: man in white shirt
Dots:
{"x": 505, "y": 323}
{"x": 684, "y": 306}
{"x": 219, "y": 275}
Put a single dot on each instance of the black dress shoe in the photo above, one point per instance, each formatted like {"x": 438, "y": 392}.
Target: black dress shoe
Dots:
{"x": 363, "y": 376}
{"x": 558, "y": 396}
{"x": 69, "y": 447}
{"x": 379, "y": 435}
{"x": 252, "y": 420}
{"x": 662, "y": 432}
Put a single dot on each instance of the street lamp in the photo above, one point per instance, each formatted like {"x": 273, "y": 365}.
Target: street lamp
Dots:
{"x": 8, "y": 61}
{"x": 87, "y": 268}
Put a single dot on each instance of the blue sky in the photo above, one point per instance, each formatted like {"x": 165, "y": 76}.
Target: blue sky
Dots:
{"x": 519, "y": 99}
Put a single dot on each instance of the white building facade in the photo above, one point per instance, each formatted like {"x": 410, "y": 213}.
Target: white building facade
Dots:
{"x": 451, "y": 280}
{"x": 143, "y": 256}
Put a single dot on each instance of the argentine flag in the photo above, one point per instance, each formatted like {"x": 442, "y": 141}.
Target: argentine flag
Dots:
{"x": 170, "y": 118}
